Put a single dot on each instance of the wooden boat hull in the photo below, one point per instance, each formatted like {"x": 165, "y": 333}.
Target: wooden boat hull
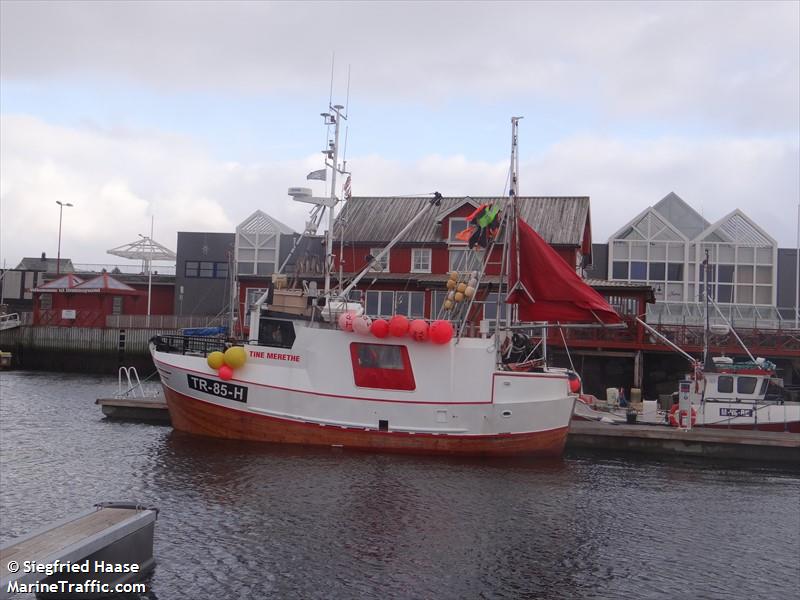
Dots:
{"x": 200, "y": 417}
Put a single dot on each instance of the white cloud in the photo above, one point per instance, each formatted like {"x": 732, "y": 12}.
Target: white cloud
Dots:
{"x": 117, "y": 180}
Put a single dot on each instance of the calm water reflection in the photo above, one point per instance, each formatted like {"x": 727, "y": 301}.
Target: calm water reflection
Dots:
{"x": 257, "y": 521}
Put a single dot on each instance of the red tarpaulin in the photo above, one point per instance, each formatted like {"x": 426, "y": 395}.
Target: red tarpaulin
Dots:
{"x": 557, "y": 293}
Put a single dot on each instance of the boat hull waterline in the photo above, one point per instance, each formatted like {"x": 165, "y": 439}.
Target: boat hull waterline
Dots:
{"x": 200, "y": 417}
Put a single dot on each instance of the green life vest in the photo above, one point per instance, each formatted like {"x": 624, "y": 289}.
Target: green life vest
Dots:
{"x": 488, "y": 216}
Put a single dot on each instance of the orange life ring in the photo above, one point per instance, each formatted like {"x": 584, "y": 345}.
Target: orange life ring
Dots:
{"x": 675, "y": 417}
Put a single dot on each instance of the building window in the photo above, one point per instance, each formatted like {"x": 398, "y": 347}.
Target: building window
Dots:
{"x": 639, "y": 271}
{"x": 46, "y": 301}
{"x": 381, "y": 366}
{"x": 495, "y": 307}
{"x": 420, "y": 260}
{"x": 383, "y": 263}
{"x": 206, "y": 269}
{"x": 246, "y": 268}
{"x": 252, "y": 295}
{"x": 116, "y": 305}
{"x": 380, "y": 303}
{"x": 463, "y": 259}
{"x": 619, "y": 270}
{"x": 410, "y": 304}
{"x": 675, "y": 272}
{"x": 658, "y": 271}
{"x": 457, "y": 225}
{"x": 354, "y": 296}
{"x": 437, "y": 301}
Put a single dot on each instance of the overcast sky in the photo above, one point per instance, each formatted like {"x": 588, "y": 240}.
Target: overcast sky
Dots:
{"x": 200, "y": 113}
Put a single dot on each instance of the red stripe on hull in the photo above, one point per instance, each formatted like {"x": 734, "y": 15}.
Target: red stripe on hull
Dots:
{"x": 208, "y": 419}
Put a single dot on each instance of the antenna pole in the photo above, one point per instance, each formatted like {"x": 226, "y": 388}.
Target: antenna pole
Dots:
{"x": 150, "y": 269}
{"x": 333, "y": 154}
{"x": 706, "y": 266}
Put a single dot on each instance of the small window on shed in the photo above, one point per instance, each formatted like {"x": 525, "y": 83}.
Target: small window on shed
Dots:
{"x": 746, "y": 385}
{"x": 382, "y": 366}
{"x": 725, "y": 384}
{"x": 116, "y": 306}
{"x": 276, "y": 333}
{"x": 46, "y": 301}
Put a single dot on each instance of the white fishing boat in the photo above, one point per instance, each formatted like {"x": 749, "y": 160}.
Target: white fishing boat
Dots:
{"x": 718, "y": 392}
{"x": 331, "y": 376}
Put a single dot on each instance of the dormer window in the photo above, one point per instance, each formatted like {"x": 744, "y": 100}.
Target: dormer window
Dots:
{"x": 457, "y": 224}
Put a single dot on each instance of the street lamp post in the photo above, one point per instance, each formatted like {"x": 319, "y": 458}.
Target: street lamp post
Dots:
{"x": 61, "y": 206}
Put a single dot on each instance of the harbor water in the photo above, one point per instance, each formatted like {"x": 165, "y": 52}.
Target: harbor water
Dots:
{"x": 242, "y": 520}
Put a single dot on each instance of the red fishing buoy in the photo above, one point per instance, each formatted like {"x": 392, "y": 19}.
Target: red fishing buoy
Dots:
{"x": 418, "y": 330}
{"x": 441, "y": 332}
{"x": 398, "y": 326}
{"x": 380, "y": 328}
{"x": 225, "y": 372}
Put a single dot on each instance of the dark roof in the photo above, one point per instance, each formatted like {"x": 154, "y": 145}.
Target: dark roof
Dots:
{"x": 559, "y": 220}
{"x": 48, "y": 265}
{"x": 440, "y": 279}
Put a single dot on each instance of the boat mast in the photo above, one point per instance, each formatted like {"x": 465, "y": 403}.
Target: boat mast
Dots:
{"x": 332, "y": 157}
{"x": 708, "y": 323}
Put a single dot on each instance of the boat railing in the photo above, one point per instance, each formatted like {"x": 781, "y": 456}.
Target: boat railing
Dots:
{"x": 190, "y": 344}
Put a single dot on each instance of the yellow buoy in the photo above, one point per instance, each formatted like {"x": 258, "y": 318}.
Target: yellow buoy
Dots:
{"x": 454, "y": 275}
{"x": 451, "y": 284}
{"x": 459, "y": 297}
{"x": 469, "y": 292}
{"x": 461, "y": 287}
{"x": 235, "y": 357}
{"x": 215, "y": 360}
{"x": 448, "y": 304}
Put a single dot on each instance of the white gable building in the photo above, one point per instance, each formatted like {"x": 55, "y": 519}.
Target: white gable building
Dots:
{"x": 665, "y": 246}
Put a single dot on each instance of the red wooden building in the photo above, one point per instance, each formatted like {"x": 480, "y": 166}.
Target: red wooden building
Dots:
{"x": 69, "y": 301}
{"x": 411, "y": 279}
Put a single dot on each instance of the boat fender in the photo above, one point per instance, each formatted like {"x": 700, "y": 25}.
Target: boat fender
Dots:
{"x": 676, "y": 416}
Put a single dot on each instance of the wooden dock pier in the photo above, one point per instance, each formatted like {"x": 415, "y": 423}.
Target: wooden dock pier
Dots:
{"x": 151, "y": 410}
{"x": 113, "y": 533}
{"x": 763, "y": 446}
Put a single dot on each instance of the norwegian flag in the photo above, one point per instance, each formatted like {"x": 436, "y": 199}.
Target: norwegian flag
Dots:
{"x": 346, "y": 189}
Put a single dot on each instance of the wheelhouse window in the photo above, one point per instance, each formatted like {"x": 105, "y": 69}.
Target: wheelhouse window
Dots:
{"x": 746, "y": 385}
{"x": 725, "y": 384}
{"x": 382, "y": 366}
{"x": 276, "y": 333}
{"x": 420, "y": 260}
